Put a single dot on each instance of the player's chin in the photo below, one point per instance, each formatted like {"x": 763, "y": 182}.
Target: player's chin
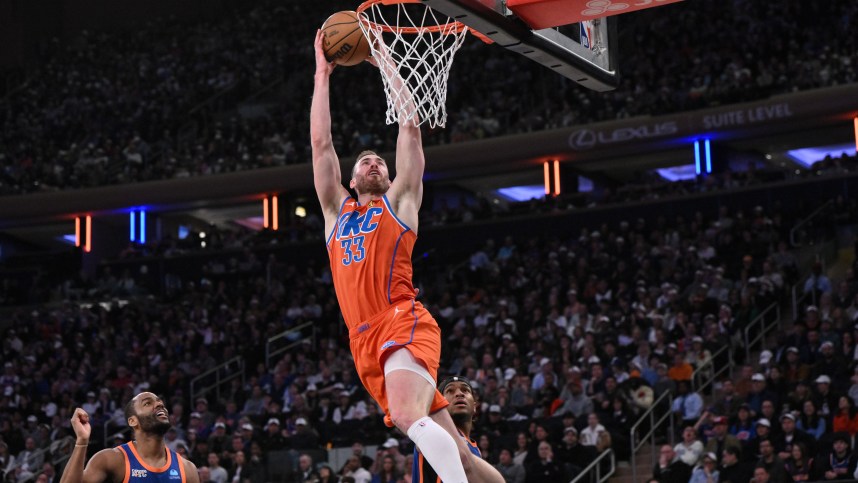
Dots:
{"x": 460, "y": 410}
{"x": 377, "y": 186}
{"x": 157, "y": 426}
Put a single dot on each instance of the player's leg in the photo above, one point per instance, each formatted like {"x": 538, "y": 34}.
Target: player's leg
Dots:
{"x": 480, "y": 470}
{"x": 410, "y": 392}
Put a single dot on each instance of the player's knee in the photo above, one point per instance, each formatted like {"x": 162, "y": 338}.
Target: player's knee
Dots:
{"x": 404, "y": 418}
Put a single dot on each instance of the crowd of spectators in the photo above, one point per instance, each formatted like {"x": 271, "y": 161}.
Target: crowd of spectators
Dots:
{"x": 160, "y": 102}
{"x": 561, "y": 336}
{"x": 567, "y": 339}
{"x": 789, "y": 415}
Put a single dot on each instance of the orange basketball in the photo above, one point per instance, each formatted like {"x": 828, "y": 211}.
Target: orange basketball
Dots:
{"x": 344, "y": 42}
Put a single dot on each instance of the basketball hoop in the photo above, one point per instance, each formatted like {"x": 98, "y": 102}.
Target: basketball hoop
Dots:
{"x": 414, "y": 48}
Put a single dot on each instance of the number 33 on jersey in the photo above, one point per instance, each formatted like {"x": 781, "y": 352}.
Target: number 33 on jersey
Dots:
{"x": 370, "y": 253}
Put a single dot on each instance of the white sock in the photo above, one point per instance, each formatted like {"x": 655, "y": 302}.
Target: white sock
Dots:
{"x": 439, "y": 449}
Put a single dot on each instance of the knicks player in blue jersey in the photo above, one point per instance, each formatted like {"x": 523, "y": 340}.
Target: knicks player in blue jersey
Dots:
{"x": 460, "y": 394}
{"x": 146, "y": 458}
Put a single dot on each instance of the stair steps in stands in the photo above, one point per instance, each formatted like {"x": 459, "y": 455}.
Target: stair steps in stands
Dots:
{"x": 644, "y": 468}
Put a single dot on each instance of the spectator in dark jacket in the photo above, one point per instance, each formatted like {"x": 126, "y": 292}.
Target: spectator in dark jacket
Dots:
{"x": 732, "y": 468}
{"x": 790, "y": 435}
{"x": 838, "y": 463}
{"x": 545, "y": 469}
{"x": 669, "y": 468}
{"x": 573, "y": 455}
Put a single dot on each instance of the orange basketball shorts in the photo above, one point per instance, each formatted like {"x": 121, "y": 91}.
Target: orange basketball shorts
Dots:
{"x": 404, "y": 324}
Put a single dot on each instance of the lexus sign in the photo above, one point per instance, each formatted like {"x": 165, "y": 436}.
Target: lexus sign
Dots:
{"x": 584, "y": 139}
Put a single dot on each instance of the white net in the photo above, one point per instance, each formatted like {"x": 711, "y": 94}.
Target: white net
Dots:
{"x": 414, "y": 48}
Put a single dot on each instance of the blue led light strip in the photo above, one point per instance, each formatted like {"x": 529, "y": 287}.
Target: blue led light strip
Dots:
{"x": 697, "y": 157}
{"x": 708, "y": 157}
{"x": 142, "y": 226}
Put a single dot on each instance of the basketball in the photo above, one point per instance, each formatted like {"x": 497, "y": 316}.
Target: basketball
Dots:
{"x": 344, "y": 41}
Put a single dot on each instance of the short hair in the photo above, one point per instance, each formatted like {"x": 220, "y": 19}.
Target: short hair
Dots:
{"x": 129, "y": 409}
{"x": 360, "y": 155}
{"x": 449, "y": 380}
{"x": 733, "y": 450}
{"x": 841, "y": 436}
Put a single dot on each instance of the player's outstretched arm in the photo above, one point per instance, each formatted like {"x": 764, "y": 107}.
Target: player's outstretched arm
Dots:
{"x": 326, "y": 166}
{"x": 101, "y": 467}
{"x": 407, "y": 189}
{"x": 410, "y": 162}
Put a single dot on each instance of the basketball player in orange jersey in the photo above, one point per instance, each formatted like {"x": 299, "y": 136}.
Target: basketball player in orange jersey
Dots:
{"x": 146, "y": 458}
{"x": 395, "y": 342}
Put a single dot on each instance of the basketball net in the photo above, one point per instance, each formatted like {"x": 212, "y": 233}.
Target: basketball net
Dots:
{"x": 414, "y": 48}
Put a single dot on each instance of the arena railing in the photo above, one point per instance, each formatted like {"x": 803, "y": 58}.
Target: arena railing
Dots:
{"x": 820, "y": 253}
{"x": 265, "y": 89}
{"x": 51, "y": 454}
{"x": 221, "y": 374}
{"x": 655, "y": 423}
{"x": 804, "y": 221}
{"x": 761, "y": 326}
{"x": 295, "y": 336}
{"x": 108, "y": 434}
{"x": 596, "y": 466}
{"x": 706, "y": 374}
{"x": 798, "y": 298}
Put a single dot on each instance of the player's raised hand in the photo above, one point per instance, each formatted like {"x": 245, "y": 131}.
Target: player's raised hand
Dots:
{"x": 380, "y": 54}
{"x": 322, "y": 65}
{"x": 80, "y": 424}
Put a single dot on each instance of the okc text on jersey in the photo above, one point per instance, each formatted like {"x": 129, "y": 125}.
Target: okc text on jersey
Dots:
{"x": 356, "y": 223}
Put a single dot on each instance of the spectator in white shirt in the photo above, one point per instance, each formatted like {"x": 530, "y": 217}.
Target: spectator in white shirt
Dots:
{"x": 92, "y": 404}
{"x": 590, "y": 435}
{"x": 690, "y": 448}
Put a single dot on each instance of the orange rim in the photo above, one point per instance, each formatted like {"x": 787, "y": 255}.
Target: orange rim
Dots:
{"x": 447, "y": 28}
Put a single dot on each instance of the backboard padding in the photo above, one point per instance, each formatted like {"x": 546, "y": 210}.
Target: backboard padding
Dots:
{"x": 594, "y": 68}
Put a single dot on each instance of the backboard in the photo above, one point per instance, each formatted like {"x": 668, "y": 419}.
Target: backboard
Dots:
{"x": 584, "y": 52}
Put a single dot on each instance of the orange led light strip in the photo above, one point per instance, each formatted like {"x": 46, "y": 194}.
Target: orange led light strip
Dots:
{"x": 275, "y": 224}
{"x": 87, "y": 233}
{"x": 87, "y": 247}
{"x": 265, "y": 212}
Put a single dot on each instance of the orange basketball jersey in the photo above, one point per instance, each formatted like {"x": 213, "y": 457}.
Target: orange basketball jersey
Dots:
{"x": 370, "y": 253}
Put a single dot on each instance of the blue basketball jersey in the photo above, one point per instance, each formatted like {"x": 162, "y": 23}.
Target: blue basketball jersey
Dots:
{"x": 422, "y": 471}
{"x": 136, "y": 470}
